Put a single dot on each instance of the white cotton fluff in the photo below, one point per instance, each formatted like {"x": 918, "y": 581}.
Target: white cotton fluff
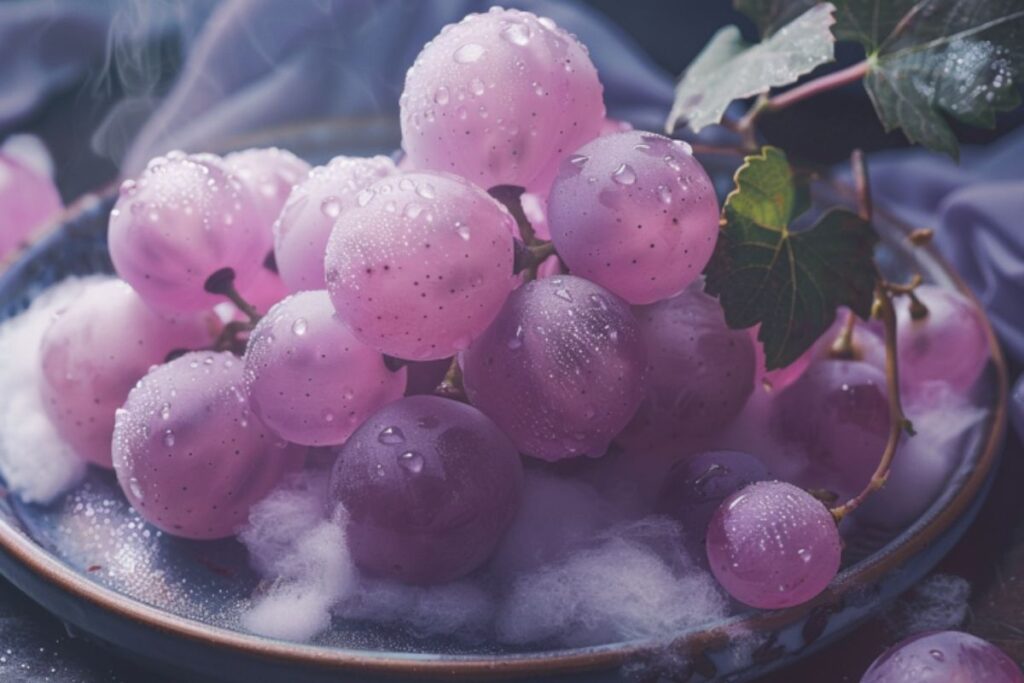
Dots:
{"x": 37, "y": 465}
{"x": 938, "y": 603}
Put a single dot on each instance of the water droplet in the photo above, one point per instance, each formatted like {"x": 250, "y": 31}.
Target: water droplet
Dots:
{"x": 331, "y": 207}
{"x": 469, "y": 53}
{"x": 135, "y": 488}
{"x": 441, "y": 96}
{"x": 391, "y": 436}
{"x": 664, "y": 194}
{"x": 672, "y": 163}
{"x": 411, "y": 461}
{"x": 937, "y": 655}
{"x": 624, "y": 175}
{"x": 462, "y": 230}
{"x": 579, "y": 160}
{"x": 547, "y": 23}
{"x": 476, "y": 86}
{"x": 516, "y": 341}
{"x": 364, "y": 197}
{"x": 412, "y": 210}
{"x": 426, "y": 190}
{"x": 428, "y": 422}
{"x": 165, "y": 411}
{"x": 328, "y": 416}
{"x": 599, "y": 302}
{"x": 128, "y": 187}
{"x": 300, "y": 326}
{"x": 684, "y": 145}
{"x": 517, "y": 34}
{"x": 461, "y": 113}
{"x": 563, "y": 294}
{"x": 168, "y": 438}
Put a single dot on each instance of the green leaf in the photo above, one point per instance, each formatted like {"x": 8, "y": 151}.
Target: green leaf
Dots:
{"x": 728, "y": 68}
{"x": 791, "y": 282}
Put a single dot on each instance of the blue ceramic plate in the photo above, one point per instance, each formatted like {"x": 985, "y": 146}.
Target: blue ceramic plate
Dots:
{"x": 176, "y": 603}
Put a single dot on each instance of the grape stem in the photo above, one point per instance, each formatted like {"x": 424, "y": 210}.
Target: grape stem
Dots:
{"x": 222, "y": 282}
{"x": 451, "y": 386}
{"x": 842, "y": 347}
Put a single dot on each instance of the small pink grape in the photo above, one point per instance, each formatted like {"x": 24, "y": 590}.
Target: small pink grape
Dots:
{"x": 772, "y": 545}
{"x": 265, "y": 290}
{"x": 304, "y": 226}
{"x": 943, "y": 657}
{"x": 269, "y": 174}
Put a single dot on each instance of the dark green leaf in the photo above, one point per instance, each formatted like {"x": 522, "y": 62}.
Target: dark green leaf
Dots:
{"x": 789, "y": 282}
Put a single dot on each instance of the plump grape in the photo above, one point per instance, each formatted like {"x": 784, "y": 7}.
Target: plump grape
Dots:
{"x": 269, "y": 174}
{"x": 772, "y": 545}
{"x": 838, "y": 412}
{"x": 188, "y": 452}
{"x": 95, "y": 351}
{"x": 424, "y": 378}
{"x": 27, "y": 201}
{"x": 421, "y": 265}
{"x": 561, "y": 370}
{"x": 185, "y": 218}
{"x": 636, "y": 213}
{"x": 948, "y": 345}
{"x": 304, "y": 226}
{"x": 308, "y": 378}
{"x": 500, "y": 98}
{"x": 696, "y": 486}
{"x": 430, "y": 485}
{"x": 699, "y": 371}
{"x": 265, "y": 290}
{"x": 943, "y": 657}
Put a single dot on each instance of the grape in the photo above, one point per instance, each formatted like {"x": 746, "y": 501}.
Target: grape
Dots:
{"x": 779, "y": 378}
{"x": 534, "y": 208}
{"x": 185, "y": 218}
{"x": 635, "y": 213}
{"x": 27, "y": 201}
{"x": 422, "y": 265}
{"x": 430, "y": 485}
{"x": 561, "y": 370}
{"x": 95, "y": 351}
{"x": 424, "y": 378}
{"x": 308, "y": 378}
{"x": 304, "y": 226}
{"x": 838, "y": 412}
{"x": 943, "y": 657}
{"x": 949, "y": 344}
{"x": 500, "y": 98}
{"x": 700, "y": 372}
{"x": 188, "y": 452}
{"x": 772, "y": 545}
{"x": 265, "y": 290}
{"x": 269, "y": 174}
{"x": 696, "y": 486}
{"x": 550, "y": 267}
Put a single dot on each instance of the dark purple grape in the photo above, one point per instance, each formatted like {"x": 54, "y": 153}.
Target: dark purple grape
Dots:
{"x": 943, "y": 657}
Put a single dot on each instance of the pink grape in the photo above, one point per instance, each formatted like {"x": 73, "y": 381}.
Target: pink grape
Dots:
{"x": 430, "y": 485}
{"x": 561, "y": 370}
{"x": 95, "y": 351}
{"x": 550, "y": 267}
{"x": 27, "y": 201}
{"x": 304, "y": 226}
{"x": 265, "y": 290}
{"x": 772, "y": 545}
{"x": 696, "y": 486}
{"x": 421, "y": 265}
{"x": 636, "y": 213}
{"x": 188, "y": 452}
{"x": 499, "y": 98}
{"x": 184, "y": 219}
{"x": 700, "y": 372}
{"x": 948, "y": 345}
{"x": 269, "y": 174}
{"x": 838, "y": 412}
{"x": 308, "y": 378}
{"x": 943, "y": 657}
{"x": 425, "y": 377}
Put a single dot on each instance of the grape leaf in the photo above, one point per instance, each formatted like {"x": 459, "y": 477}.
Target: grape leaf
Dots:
{"x": 728, "y": 68}
{"x": 791, "y": 282}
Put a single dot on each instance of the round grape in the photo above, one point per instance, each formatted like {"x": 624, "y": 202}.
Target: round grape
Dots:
{"x": 943, "y": 657}
{"x": 188, "y": 452}
{"x": 422, "y": 264}
{"x": 95, "y": 351}
{"x": 772, "y": 545}
{"x": 949, "y": 344}
{"x": 265, "y": 290}
{"x": 561, "y": 370}
{"x": 27, "y": 201}
{"x": 838, "y": 412}
{"x": 635, "y": 213}
{"x": 699, "y": 371}
{"x": 304, "y": 226}
{"x": 430, "y": 485}
{"x": 269, "y": 174}
{"x": 308, "y": 378}
{"x": 185, "y": 218}
{"x": 499, "y": 98}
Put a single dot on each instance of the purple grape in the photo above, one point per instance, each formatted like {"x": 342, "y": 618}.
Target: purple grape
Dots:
{"x": 561, "y": 369}
{"x": 943, "y": 657}
{"x": 189, "y": 454}
{"x": 948, "y": 345}
{"x": 635, "y": 213}
{"x": 185, "y": 218}
{"x": 304, "y": 225}
{"x": 269, "y": 174}
{"x": 696, "y": 486}
{"x": 95, "y": 351}
{"x": 421, "y": 265}
{"x": 838, "y": 412}
{"x": 499, "y": 98}
{"x": 772, "y": 545}
{"x": 308, "y": 378}
{"x": 699, "y": 371}
{"x": 430, "y": 485}
{"x": 425, "y": 377}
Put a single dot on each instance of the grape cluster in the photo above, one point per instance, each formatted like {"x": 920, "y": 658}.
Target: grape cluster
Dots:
{"x": 400, "y": 318}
